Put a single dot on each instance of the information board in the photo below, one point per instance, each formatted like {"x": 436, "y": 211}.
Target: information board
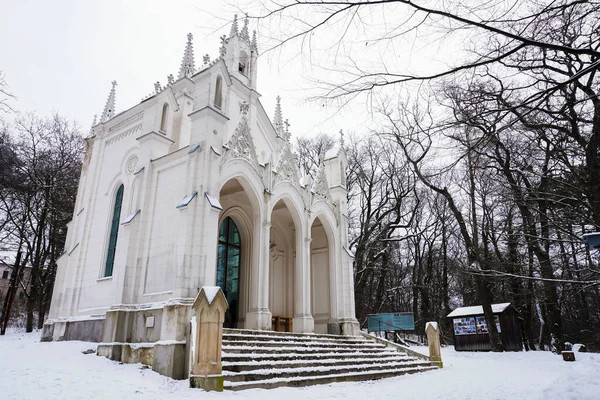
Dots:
{"x": 391, "y": 322}
{"x": 464, "y": 326}
{"x": 482, "y": 325}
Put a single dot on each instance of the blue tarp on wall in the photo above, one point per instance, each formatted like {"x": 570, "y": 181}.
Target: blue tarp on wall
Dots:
{"x": 391, "y": 322}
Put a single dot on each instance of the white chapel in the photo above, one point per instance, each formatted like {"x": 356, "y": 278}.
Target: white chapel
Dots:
{"x": 196, "y": 186}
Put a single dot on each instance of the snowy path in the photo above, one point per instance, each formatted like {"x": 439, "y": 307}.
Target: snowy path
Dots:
{"x": 33, "y": 370}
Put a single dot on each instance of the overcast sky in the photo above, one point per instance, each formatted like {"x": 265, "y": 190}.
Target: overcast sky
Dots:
{"x": 61, "y": 56}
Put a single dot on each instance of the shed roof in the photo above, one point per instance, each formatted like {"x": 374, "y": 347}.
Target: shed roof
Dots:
{"x": 478, "y": 310}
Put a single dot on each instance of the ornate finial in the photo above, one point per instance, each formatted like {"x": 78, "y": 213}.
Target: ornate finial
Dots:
{"x": 157, "y": 87}
{"x": 109, "y": 107}
{"x": 244, "y": 107}
{"x": 170, "y": 79}
{"x": 278, "y": 119}
{"x": 287, "y": 133}
{"x": 341, "y": 138}
{"x": 206, "y": 59}
{"x": 234, "y": 27}
{"x": 254, "y": 45}
{"x": 223, "y": 49}
{"x": 244, "y": 33}
{"x": 187, "y": 63}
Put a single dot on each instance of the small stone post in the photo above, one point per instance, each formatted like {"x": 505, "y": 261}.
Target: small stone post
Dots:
{"x": 433, "y": 338}
{"x": 210, "y": 307}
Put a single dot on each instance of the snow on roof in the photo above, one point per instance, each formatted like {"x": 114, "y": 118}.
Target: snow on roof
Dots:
{"x": 333, "y": 152}
{"x": 210, "y": 292}
{"x": 476, "y": 310}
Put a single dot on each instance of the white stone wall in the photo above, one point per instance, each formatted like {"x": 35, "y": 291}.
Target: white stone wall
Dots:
{"x": 291, "y": 266}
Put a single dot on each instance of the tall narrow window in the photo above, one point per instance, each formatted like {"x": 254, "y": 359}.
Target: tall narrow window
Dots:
{"x": 219, "y": 92}
{"x": 114, "y": 232}
{"x": 163, "y": 119}
{"x": 228, "y": 268}
{"x": 243, "y": 63}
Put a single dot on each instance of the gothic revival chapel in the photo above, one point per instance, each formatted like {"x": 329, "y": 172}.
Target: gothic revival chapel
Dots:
{"x": 196, "y": 186}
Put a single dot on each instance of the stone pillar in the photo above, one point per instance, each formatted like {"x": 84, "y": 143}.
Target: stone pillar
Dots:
{"x": 258, "y": 315}
{"x": 210, "y": 307}
{"x": 433, "y": 338}
{"x": 303, "y": 320}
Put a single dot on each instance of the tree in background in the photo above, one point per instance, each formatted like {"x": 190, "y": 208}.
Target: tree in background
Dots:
{"x": 41, "y": 166}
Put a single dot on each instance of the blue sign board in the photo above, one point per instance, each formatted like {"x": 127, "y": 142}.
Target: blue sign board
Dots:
{"x": 391, "y": 322}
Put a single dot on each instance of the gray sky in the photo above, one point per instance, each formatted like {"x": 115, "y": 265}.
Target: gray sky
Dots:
{"x": 61, "y": 55}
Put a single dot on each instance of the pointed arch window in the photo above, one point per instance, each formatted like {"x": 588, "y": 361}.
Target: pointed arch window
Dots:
{"x": 163, "y": 119}
{"x": 114, "y": 232}
{"x": 228, "y": 267}
{"x": 219, "y": 92}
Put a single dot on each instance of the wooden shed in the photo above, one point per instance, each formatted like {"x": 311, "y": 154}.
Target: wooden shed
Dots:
{"x": 471, "y": 333}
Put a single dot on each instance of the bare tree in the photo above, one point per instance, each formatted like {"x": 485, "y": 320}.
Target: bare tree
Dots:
{"x": 5, "y": 95}
{"x": 39, "y": 201}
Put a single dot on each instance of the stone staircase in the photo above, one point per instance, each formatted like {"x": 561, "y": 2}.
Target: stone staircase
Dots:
{"x": 266, "y": 359}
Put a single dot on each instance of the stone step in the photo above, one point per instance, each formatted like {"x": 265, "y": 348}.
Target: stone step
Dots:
{"x": 277, "y": 356}
{"x": 267, "y": 359}
{"x": 256, "y": 333}
{"x": 240, "y": 366}
{"x": 293, "y": 343}
{"x": 302, "y": 381}
{"x": 314, "y": 371}
{"x": 297, "y": 349}
{"x": 297, "y": 338}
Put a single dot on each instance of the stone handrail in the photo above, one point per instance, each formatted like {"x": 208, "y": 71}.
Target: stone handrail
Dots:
{"x": 396, "y": 346}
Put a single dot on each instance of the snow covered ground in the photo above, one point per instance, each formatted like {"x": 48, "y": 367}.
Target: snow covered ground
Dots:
{"x": 33, "y": 370}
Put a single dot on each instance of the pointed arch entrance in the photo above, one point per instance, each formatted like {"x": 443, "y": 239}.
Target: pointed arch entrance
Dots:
{"x": 228, "y": 268}
{"x": 321, "y": 262}
{"x": 237, "y": 251}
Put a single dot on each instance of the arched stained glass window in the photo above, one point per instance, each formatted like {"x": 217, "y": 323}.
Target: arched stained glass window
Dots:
{"x": 114, "y": 232}
{"x": 228, "y": 267}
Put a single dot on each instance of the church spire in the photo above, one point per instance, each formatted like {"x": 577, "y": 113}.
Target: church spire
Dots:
{"x": 109, "y": 107}
{"x": 278, "y": 119}
{"x": 234, "y": 27}
{"x": 187, "y": 63}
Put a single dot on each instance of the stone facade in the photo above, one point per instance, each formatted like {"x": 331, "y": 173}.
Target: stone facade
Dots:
{"x": 201, "y": 151}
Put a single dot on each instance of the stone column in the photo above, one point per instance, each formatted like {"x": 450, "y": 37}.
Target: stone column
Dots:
{"x": 433, "y": 339}
{"x": 303, "y": 320}
{"x": 210, "y": 307}
{"x": 258, "y": 315}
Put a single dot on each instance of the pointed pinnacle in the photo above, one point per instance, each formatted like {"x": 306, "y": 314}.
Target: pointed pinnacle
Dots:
{"x": 109, "y": 107}
{"x": 254, "y": 45}
{"x": 94, "y": 123}
{"x": 187, "y": 63}
{"x": 244, "y": 34}
{"x": 278, "y": 118}
{"x": 234, "y": 27}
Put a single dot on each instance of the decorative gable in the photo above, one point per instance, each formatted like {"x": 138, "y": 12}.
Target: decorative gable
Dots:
{"x": 286, "y": 167}
{"x": 241, "y": 144}
{"x": 320, "y": 187}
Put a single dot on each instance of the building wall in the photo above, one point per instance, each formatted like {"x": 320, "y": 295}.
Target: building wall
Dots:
{"x": 174, "y": 182}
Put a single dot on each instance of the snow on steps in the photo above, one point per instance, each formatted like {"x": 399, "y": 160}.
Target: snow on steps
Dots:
{"x": 264, "y": 359}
